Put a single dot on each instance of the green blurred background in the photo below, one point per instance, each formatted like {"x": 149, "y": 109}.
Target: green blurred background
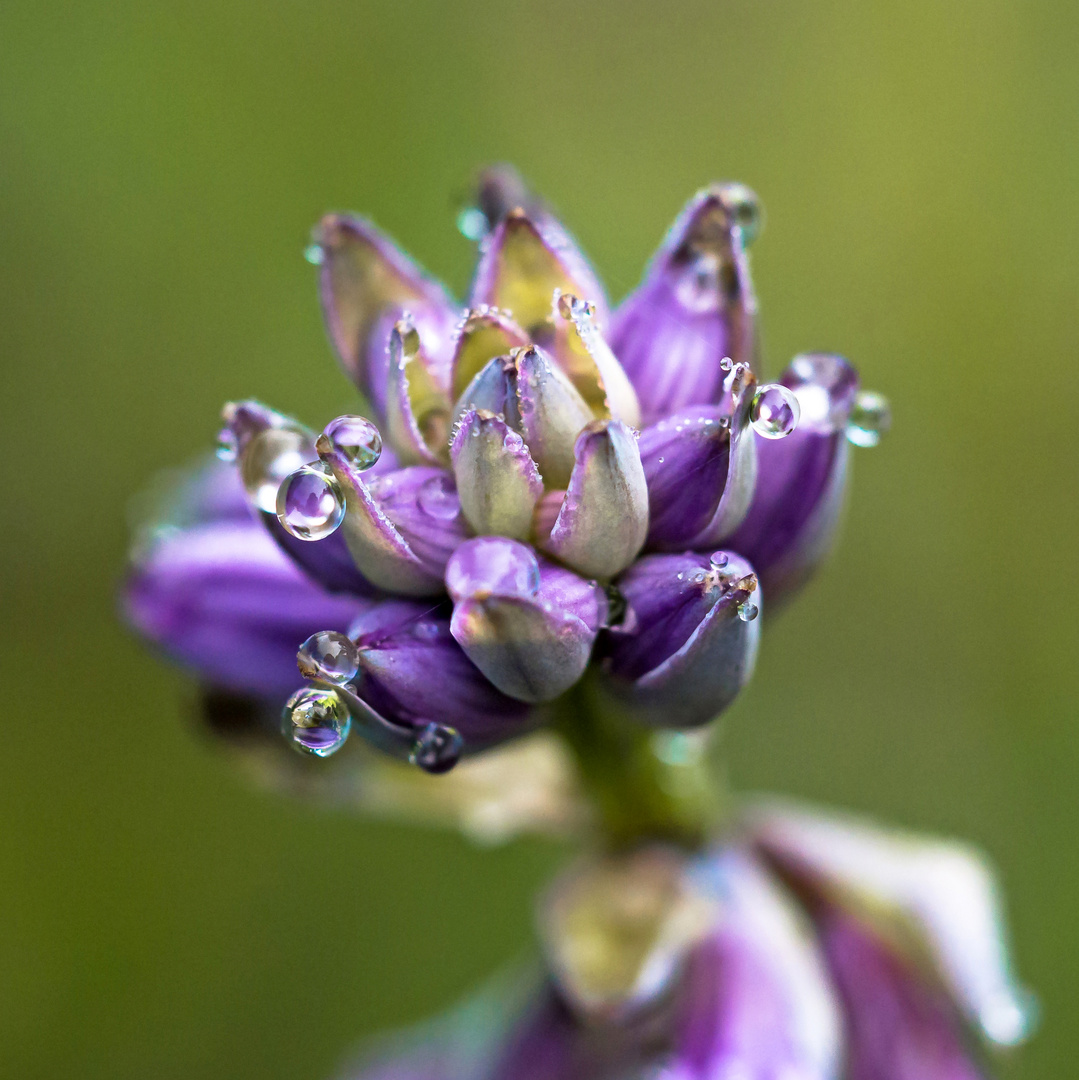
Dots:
{"x": 160, "y": 165}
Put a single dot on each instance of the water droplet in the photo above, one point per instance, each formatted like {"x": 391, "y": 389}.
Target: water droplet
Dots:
{"x": 267, "y": 459}
{"x": 774, "y": 412}
{"x": 315, "y": 254}
{"x": 438, "y": 497}
{"x": 572, "y": 308}
{"x": 472, "y": 223}
{"x": 356, "y": 438}
{"x": 228, "y": 446}
{"x": 870, "y": 418}
{"x": 726, "y": 364}
{"x": 330, "y": 656}
{"x": 316, "y": 721}
{"x": 437, "y": 748}
{"x": 747, "y": 612}
{"x": 745, "y": 208}
{"x": 718, "y": 559}
{"x": 309, "y": 502}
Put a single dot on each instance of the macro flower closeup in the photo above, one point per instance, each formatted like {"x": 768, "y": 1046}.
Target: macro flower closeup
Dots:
{"x": 510, "y": 588}
{"x": 530, "y": 495}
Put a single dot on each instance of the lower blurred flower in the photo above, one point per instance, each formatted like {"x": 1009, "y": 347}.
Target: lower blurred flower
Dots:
{"x": 755, "y": 962}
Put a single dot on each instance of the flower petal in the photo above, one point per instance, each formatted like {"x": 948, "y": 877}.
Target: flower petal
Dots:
{"x": 694, "y": 308}
{"x": 401, "y": 643}
{"x": 481, "y": 336}
{"x": 497, "y": 480}
{"x": 756, "y": 1000}
{"x": 686, "y": 460}
{"x": 222, "y": 598}
{"x": 366, "y": 284}
{"x": 417, "y": 408}
{"x": 527, "y": 624}
{"x": 898, "y": 1026}
{"x": 581, "y": 351}
{"x": 523, "y": 262}
{"x": 938, "y": 899}
{"x": 689, "y": 641}
{"x": 603, "y": 520}
{"x": 791, "y": 522}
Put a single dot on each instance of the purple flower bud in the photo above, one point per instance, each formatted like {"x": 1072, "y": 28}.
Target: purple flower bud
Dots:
{"x": 222, "y": 598}
{"x": 538, "y": 402}
{"x": 417, "y": 407}
{"x": 481, "y": 336}
{"x": 366, "y": 284}
{"x": 694, "y": 308}
{"x": 603, "y": 519}
{"x": 791, "y": 522}
{"x": 401, "y": 644}
{"x": 527, "y": 624}
{"x": 522, "y": 264}
{"x": 688, "y": 642}
{"x": 497, "y": 480}
{"x": 400, "y": 527}
{"x": 686, "y": 460}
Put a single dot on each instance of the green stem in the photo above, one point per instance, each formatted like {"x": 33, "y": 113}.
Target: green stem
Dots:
{"x": 644, "y": 784}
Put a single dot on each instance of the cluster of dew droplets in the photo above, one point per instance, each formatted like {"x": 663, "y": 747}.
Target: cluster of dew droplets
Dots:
{"x": 720, "y": 569}
{"x": 317, "y": 720}
{"x": 309, "y": 502}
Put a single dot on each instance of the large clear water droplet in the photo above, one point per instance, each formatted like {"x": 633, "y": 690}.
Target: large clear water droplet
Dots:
{"x": 774, "y": 412}
{"x": 747, "y": 612}
{"x": 745, "y": 208}
{"x": 329, "y": 656}
{"x": 718, "y": 560}
{"x": 438, "y": 497}
{"x": 870, "y": 417}
{"x": 316, "y": 721}
{"x": 355, "y": 438}
{"x": 309, "y": 502}
{"x": 437, "y": 748}
{"x": 315, "y": 254}
{"x": 267, "y": 459}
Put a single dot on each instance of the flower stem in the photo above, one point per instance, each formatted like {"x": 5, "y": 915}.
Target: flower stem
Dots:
{"x": 644, "y": 784}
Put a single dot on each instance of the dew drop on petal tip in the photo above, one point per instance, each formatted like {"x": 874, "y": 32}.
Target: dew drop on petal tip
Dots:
{"x": 745, "y": 209}
{"x": 267, "y": 459}
{"x": 775, "y": 411}
{"x": 310, "y": 505}
{"x": 747, "y": 612}
{"x": 316, "y": 721}
{"x": 315, "y": 254}
{"x": 870, "y": 417}
{"x": 437, "y": 748}
{"x": 355, "y": 438}
{"x": 718, "y": 559}
{"x": 330, "y": 656}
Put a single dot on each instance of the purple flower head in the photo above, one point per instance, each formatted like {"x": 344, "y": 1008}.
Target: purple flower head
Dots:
{"x": 560, "y": 489}
{"x": 805, "y": 947}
